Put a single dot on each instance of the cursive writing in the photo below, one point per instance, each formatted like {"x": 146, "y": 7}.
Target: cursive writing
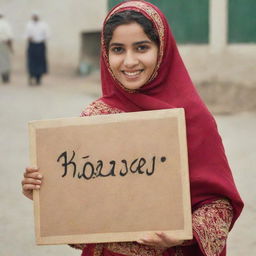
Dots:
{"x": 91, "y": 170}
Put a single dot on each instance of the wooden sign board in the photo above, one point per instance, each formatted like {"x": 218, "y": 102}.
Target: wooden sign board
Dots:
{"x": 111, "y": 178}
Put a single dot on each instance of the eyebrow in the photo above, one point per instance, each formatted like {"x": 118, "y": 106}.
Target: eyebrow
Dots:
{"x": 136, "y": 43}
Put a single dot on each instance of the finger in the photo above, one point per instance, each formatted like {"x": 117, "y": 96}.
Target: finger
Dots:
{"x": 31, "y": 181}
{"x": 31, "y": 169}
{"x": 144, "y": 243}
{"x": 31, "y": 172}
{"x": 155, "y": 245}
{"x": 33, "y": 175}
{"x": 150, "y": 241}
{"x": 163, "y": 236}
{"x": 28, "y": 187}
{"x": 166, "y": 237}
{"x": 28, "y": 194}
{"x": 159, "y": 239}
{"x": 167, "y": 240}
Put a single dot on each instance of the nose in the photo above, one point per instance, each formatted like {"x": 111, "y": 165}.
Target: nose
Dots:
{"x": 130, "y": 59}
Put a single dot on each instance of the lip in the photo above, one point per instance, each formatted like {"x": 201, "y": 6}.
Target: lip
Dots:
{"x": 132, "y": 74}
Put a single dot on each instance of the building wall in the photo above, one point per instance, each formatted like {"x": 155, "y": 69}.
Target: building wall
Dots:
{"x": 188, "y": 19}
{"x": 67, "y": 20}
{"x": 214, "y": 57}
{"x": 224, "y": 48}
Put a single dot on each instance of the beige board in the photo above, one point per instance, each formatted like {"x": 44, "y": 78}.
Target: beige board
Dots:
{"x": 111, "y": 178}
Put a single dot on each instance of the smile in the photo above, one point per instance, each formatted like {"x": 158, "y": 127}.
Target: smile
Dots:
{"x": 132, "y": 74}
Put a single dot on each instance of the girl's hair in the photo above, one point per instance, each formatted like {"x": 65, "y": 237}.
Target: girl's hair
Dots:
{"x": 128, "y": 17}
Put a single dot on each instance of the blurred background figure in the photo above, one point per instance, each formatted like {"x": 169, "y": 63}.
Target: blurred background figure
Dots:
{"x": 5, "y": 49}
{"x": 37, "y": 33}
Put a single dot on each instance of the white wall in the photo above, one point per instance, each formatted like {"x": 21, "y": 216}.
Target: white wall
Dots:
{"x": 235, "y": 64}
{"x": 66, "y": 18}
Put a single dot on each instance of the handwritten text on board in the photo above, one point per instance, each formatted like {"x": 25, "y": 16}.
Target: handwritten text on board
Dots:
{"x": 91, "y": 170}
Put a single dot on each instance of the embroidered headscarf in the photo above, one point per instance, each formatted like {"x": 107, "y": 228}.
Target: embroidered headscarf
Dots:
{"x": 171, "y": 87}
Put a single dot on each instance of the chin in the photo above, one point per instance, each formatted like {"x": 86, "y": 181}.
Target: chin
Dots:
{"x": 133, "y": 86}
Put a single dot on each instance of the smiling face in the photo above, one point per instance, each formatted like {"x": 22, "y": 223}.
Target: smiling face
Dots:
{"x": 132, "y": 56}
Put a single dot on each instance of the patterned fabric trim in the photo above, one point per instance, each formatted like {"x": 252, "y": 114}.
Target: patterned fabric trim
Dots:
{"x": 98, "y": 251}
{"x": 134, "y": 249}
{"x": 211, "y": 224}
{"x": 178, "y": 252}
{"x": 98, "y": 107}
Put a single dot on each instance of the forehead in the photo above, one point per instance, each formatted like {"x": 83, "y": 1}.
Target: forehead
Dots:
{"x": 128, "y": 33}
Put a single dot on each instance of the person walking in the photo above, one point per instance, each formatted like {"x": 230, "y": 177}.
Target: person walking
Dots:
{"x": 37, "y": 33}
{"x": 5, "y": 49}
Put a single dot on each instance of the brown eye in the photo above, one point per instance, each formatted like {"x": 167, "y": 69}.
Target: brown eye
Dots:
{"x": 117, "y": 50}
{"x": 142, "y": 48}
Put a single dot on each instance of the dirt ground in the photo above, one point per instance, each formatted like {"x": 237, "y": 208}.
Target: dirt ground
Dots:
{"x": 65, "y": 95}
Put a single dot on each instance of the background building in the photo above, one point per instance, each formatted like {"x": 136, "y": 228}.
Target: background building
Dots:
{"x": 68, "y": 21}
{"x": 217, "y": 40}
{"x": 217, "y": 37}
{"x": 221, "y": 59}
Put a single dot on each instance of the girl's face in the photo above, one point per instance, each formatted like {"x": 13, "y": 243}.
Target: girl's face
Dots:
{"x": 132, "y": 56}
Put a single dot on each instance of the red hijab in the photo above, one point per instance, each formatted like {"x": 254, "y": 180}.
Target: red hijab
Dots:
{"x": 171, "y": 87}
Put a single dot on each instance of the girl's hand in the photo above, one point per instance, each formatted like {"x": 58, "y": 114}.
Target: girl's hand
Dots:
{"x": 160, "y": 239}
{"x": 32, "y": 180}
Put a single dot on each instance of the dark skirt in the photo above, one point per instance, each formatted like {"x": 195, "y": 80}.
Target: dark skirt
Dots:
{"x": 36, "y": 59}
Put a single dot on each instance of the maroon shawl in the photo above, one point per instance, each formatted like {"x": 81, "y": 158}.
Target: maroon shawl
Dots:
{"x": 171, "y": 87}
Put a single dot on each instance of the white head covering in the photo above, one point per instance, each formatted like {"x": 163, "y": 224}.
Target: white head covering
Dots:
{"x": 5, "y": 29}
{"x": 35, "y": 13}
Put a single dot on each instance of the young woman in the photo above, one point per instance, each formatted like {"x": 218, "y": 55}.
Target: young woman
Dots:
{"x": 141, "y": 69}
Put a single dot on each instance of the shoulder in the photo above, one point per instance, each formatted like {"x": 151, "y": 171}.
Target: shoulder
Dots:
{"x": 99, "y": 107}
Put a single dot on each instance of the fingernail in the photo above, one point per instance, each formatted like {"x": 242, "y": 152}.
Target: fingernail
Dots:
{"x": 39, "y": 176}
{"x": 37, "y": 186}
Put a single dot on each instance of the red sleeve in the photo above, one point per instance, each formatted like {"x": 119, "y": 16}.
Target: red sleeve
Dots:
{"x": 211, "y": 223}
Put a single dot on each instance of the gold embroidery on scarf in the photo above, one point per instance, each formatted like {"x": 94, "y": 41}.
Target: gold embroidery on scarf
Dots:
{"x": 211, "y": 222}
{"x": 99, "y": 107}
{"x": 98, "y": 250}
{"x": 134, "y": 249}
{"x": 178, "y": 251}
{"x": 155, "y": 17}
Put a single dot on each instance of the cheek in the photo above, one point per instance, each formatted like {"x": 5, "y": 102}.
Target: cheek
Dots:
{"x": 113, "y": 62}
{"x": 151, "y": 61}
{"x": 155, "y": 61}
{"x": 156, "y": 57}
